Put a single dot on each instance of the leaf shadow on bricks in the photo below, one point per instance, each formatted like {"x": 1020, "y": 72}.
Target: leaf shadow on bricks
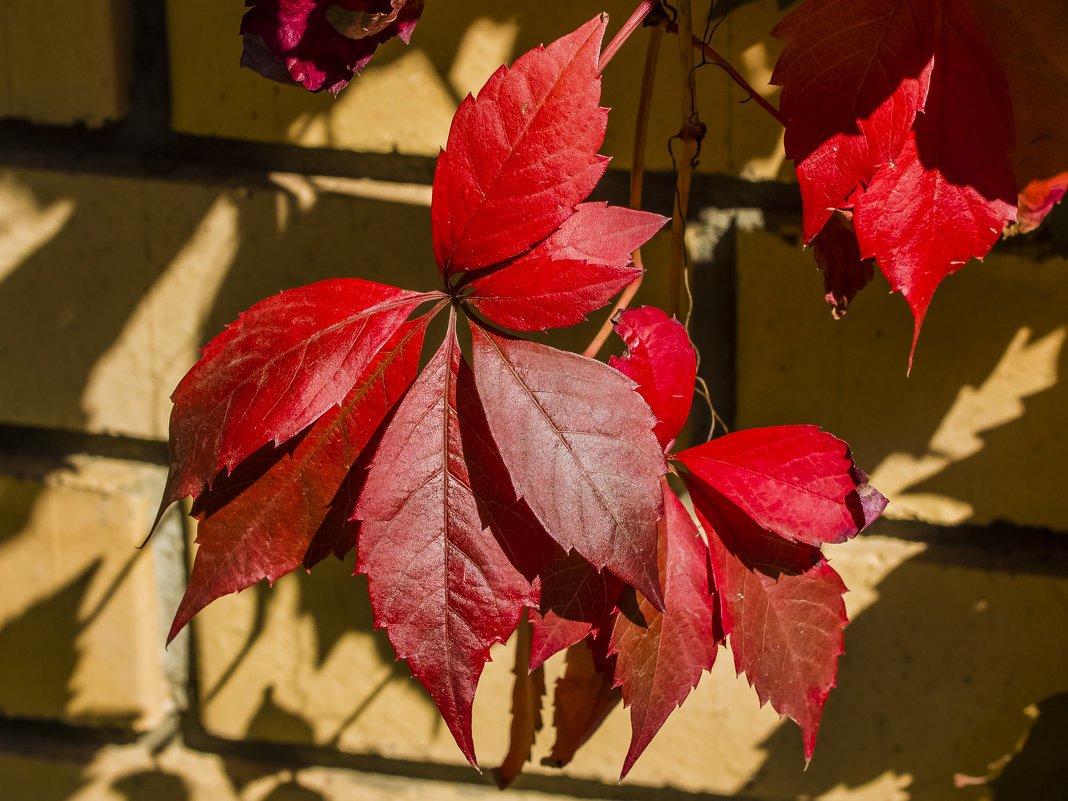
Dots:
{"x": 936, "y": 675}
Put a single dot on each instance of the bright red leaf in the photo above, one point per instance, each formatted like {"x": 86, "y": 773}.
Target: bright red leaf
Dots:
{"x": 658, "y": 665}
{"x": 795, "y": 481}
{"x": 274, "y": 372}
{"x": 661, "y": 360}
{"x": 854, "y": 75}
{"x": 259, "y": 522}
{"x": 577, "y": 269}
{"x": 521, "y": 155}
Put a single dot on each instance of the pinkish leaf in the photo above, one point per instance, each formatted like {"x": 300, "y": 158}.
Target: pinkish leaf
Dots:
{"x": 578, "y": 443}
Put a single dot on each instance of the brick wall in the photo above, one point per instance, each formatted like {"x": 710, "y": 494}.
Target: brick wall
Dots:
{"x": 150, "y": 191}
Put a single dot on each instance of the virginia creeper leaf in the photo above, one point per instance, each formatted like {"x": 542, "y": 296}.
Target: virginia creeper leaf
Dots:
{"x": 584, "y": 696}
{"x": 795, "y": 481}
{"x": 521, "y": 155}
{"x": 785, "y": 633}
{"x": 1037, "y": 199}
{"x": 439, "y": 582}
{"x": 837, "y": 254}
{"x": 320, "y": 44}
{"x": 661, "y": 360}
{"x": 577, "y": 269}
{"x": 578, "y": 443}
{"x": 854, "y": 75}
{"x": 658, "y": 665}
{"x": 258, "y": 522}
{"x": 275, "y": 371}
{"x": 951, "y": 189}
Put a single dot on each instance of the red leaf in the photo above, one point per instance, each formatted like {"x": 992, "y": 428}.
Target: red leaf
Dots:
{"x": 527, "y": 694}
{"x": 795, "y": 481}
{"x": 661, "y": 360}
{"x": 274, "y": 372}
{"x": 583, "y": 698}
{"x": 439, "y": 582}
{"x": 257, "y": 523}
{"x": 1028, "y": 37}
{"x": 522, "y": 155}
{"x": 552, "y": 634}
{"x": 854, "y": 75}
{"x": 950, "y": 190}
{"x": 785, "y": 633}
{"x": 837, "y": 253}
{"x": 578, "y": 443}
{"x": 579, "y": 268}
{"x": 1037, "y": 200}
{"x": 657, "y": 666}
{"x": 321, "y": 43}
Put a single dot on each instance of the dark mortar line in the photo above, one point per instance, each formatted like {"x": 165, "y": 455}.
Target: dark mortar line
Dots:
{"x": 1000, "y": 547}
{"x": 295, "y": 757}
{"x": 48, "y": 739}
{"x": 38, "y": 443}
{"x": 141, "y": 151}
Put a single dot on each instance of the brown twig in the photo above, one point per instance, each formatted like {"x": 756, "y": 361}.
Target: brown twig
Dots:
{"x": 637, "y": 172}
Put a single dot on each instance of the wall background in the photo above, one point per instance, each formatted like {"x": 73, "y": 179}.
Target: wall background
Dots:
{"x": 150, "y": 190}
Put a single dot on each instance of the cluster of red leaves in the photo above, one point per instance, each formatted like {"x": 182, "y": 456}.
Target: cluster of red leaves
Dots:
{"x": 506, "y": 475}
{"x": 927, "y": 122}
{"x": 321, "y": 44}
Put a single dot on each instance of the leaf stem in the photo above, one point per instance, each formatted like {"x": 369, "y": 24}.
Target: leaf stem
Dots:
{"x": 635, "y": 20}
{"x": 715, "y": 58}
{"x": 637, "y": 173}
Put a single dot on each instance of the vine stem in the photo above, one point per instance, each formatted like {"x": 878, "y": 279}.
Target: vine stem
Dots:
{"x": 715, "y": 58}
{"x": 637, "y": 172}
{"x": 640, "y": 13}
{"x": 691, "y": 131}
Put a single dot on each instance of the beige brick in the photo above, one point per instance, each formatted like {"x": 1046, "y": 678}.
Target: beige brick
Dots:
{"x": 79, "y": 616}
{"x": 405, "y": 99}
{"x": 941, "y": 662}
{"x": 975, "y": 434}
{"x": 64, "y": 66}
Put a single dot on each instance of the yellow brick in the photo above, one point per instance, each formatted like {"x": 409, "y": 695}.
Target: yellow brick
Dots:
{"x": 974, "y": 435}
{"x": 64, "y": 67}
{"x": 405, "y": 99}
{"x": 79, "y": 617}
{"x": 941, "y": 662}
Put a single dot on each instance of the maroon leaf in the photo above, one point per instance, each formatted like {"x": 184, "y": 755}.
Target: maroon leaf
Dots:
{"x": 552, "y": 634}
{"x": 527, "y": 694}
{"x": 439, "y": 582}
{"x": 579, "y": 268}
{"x": 854, "y": 75}
{"x": 662, "y": 362}
{"x": 950, "y": 190}
{"x": 320, "y": 44}
{"x": 837, "y": 253}
{"x": 522, "y": 155}
{"x": 274, "y": 372}
{"x": 658, "y": 665}
{"x": 795, "y": 481}
{"x": 258, "y": 522}
{"x": 785, "y": 633}
{"x": 578, "y": 443}
{"x": 584, "y": 696}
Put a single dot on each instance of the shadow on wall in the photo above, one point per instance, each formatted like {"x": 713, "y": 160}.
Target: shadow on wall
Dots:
{"x": 934, "y": 684}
